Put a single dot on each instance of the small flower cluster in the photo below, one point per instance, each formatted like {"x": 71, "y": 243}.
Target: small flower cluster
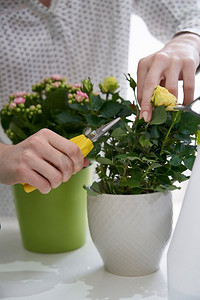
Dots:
{"x": 50, "y": 84}
{"x": 22, "y": 105}
{"x": 62, "y": 107}
{"x": 54, "y": 82}
{"x": 78, "y": 96}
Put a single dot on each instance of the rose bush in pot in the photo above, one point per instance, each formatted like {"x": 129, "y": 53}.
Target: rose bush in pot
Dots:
{"x": 129, "y": 207}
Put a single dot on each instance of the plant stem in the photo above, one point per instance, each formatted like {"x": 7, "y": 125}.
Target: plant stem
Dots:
{"x": 125, "y": 169}
{"x": 170, "y": 128}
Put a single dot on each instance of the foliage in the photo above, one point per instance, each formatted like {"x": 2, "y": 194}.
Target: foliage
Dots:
{"x": 67, "y": 109}
{"x": 135, "y": 157}
{"x": 140, "y": 157}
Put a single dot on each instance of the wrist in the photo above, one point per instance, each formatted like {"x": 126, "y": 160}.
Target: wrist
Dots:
{"x": 3, "y": 147}
{"x": 189, "y": 37}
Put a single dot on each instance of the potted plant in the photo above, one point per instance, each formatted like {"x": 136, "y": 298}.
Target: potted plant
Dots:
{"x": 129, "y": 206}
{"x": 57, "y": 222}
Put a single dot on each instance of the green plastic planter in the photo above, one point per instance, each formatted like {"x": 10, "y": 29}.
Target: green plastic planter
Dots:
{"x": 55, "y": 222}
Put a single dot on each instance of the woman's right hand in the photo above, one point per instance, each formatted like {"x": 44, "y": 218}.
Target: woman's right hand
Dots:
{"x": 44, "y": 160}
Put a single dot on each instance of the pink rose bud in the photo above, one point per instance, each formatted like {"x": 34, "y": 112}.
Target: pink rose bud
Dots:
{"x": 79, "y": 98}
{"x": 55, "y": 84}
{"x": 56, "y": 77}
{"x": 78, "y": 85}
{"x": 80, "y": 93}
{"x": 12, "y": 105}
{"x": 18, "y": 94}
{"x": 19, "y": 100}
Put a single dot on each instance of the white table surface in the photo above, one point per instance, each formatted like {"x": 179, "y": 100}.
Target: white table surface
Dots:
{"x": 75, "y": 275}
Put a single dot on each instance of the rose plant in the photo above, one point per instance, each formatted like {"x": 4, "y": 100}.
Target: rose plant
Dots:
{"x": 139, "y": 157}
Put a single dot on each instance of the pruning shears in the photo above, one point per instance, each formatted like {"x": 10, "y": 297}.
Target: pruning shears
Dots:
{"x": 193, "y": 107}
{"x": 84, "y": 142}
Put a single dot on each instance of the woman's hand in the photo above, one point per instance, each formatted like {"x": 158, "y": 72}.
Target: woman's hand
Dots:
{"x": 177, "y": 60}
{"x": 44, "y": 160}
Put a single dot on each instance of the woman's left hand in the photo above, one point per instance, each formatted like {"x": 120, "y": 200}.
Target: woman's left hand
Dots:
{"x": 177, "y": 60}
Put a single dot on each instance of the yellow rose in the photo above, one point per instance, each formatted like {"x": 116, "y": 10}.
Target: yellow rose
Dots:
{"x": 162, "y": 96}
{"x": 110, "y": 85}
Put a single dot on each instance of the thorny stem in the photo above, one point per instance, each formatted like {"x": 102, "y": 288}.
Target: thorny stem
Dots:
{"x": 125, "y": 169}
{"x": 170, "y": 128}
{"x": 147, "y": 171}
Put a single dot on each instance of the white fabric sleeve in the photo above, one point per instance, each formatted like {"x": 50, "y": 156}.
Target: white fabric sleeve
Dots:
{"x": 165, "y": 18}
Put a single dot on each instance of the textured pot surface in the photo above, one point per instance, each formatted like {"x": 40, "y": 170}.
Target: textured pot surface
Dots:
{"x": 130, "y": 231}
{"x": 57, "y": 221}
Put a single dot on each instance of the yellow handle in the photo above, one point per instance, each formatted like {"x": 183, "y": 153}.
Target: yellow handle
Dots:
{"x": 82, "y": 142}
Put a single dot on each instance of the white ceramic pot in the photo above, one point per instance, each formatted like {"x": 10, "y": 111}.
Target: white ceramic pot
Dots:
{"x": 130, "y": 231}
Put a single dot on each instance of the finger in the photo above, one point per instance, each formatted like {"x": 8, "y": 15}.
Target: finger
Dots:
{"x": 68, "y": 148}
{"x": 86, "y": 162}
{"x": 39, "y": 182}
{"x": 188, "y": 83}
{"x": 33, "y": 178}
{"x": 47, "y": 160}
{"x": 48, "y": 171}
{"x": 142, "y": 70}
{"x": 153, "y": 78}
{"x": 58, "y": 160}
{"x": 171, "y": 78}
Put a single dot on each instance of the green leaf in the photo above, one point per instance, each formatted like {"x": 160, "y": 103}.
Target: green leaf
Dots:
{"x": 5, "y": 121}
{"x": 126, "y": 109}
{"x": 155, "y": 133}
{"x": 181, "y": 177}
{"x": 56, "y": 100}
{"x": 188, "y": 124}
{"x": 132, "y": 158}
{"x": 175, "y": 160}
{"x": 67, "y": 117}
{"x": 128, "y": 157}
{"x": 97, "y": 102}
{"x": 189, "y": 161}
{"x": 173, "y": 187}
{"x": 92, "y": 120}
{"x": 91, "y": 190}
{"x": 118, "y": 133}
{"x": 83, "y": 109}
{"x": 132, "y": 82}
{"x": 20, "y": 133}
{"x": 156, "y": 165}
{"x": 144, "y": 141}
{"x": 133, "y": 183}
{"x": 110, "y": 109}
{"x": 104, "y": 161}
{"x": 159, "y": 115}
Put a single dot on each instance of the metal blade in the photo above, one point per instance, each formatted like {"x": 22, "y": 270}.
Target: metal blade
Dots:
{"x": 96, "y": 134}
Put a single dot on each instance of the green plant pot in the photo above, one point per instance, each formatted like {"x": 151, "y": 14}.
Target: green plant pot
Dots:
{"x": 55, "y": 222}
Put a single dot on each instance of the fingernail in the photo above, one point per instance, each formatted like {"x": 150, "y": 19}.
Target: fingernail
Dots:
{"x": 145, "y": 116}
